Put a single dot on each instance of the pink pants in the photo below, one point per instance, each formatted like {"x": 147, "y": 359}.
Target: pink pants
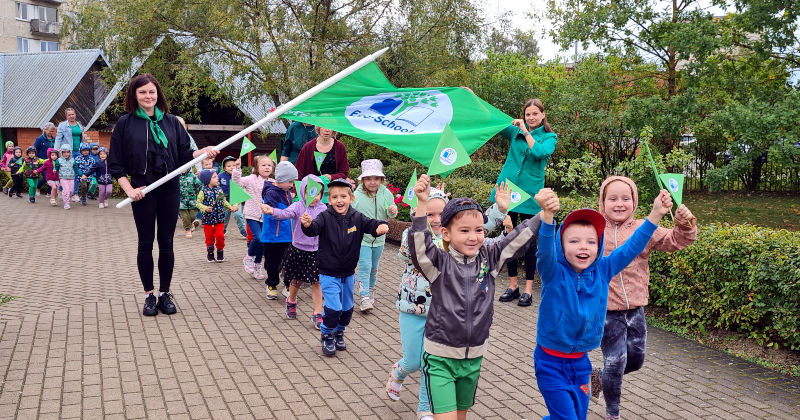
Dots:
{"x": 104, "y": 191}
{"x": 66, "y": 189}
{"x": 53, "y": 190}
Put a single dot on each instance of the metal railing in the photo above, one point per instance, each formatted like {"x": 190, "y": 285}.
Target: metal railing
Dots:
{"x": 44, "y": 26}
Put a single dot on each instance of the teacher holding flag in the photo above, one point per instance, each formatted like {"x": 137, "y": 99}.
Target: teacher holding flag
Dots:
{"x": 147, "y": 144}
{"x": 323, "y": 156}
{"x": 531, "y": 144}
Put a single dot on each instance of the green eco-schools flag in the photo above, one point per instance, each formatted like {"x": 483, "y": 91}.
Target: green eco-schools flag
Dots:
{"x": 409, "y": 121}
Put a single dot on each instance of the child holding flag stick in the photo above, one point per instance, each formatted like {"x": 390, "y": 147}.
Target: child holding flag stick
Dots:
{"x": 299, "y": 263}
{"x": 254, "y": 184}
{"x": 375, "y": 201}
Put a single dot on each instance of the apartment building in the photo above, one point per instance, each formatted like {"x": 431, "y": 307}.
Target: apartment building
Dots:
{"x": 30, "y": 25}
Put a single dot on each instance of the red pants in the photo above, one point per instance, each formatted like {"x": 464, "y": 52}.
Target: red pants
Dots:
{"x": 215, "y": 233}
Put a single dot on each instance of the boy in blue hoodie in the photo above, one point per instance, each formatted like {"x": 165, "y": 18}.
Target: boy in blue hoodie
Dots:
{"x": 277, "y": 234}
{"x": 574, "y": 297}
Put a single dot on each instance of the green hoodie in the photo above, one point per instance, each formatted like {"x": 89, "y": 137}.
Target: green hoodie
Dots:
{"x": 374, "y": 208}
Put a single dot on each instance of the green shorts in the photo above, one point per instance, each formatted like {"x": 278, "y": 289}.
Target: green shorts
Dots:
{"x": 451, "y": 383}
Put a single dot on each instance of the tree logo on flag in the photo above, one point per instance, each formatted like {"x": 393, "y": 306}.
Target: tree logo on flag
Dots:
{"x": 407, "y": 112}
{"x": 319, "y": 159}
{"x": 448, "y": 156}
{"x": 515, "y": 197}
{"x": 313, "y": 191}
{"x": 673, "y": 185}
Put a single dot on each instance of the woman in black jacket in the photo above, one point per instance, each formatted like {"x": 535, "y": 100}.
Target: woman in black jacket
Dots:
{"x": 147, "y": 144}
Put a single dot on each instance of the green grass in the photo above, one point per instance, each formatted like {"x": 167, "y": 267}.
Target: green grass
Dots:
{"x": 6, "y": 298}
{"x": 773, "y": 210}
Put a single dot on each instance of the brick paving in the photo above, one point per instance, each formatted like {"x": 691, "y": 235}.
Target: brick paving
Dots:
{"x": 75, "y": 345}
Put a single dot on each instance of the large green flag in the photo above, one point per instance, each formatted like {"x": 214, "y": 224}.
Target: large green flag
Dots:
{"x": 409, "y": 121}
{"x": 674, "y": 184}
{"x": 449, "y": 155}
{"x": 238, "y": 194}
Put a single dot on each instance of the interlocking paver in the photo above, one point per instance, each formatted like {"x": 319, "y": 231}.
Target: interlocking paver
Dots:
{"x": 74, "y": 343}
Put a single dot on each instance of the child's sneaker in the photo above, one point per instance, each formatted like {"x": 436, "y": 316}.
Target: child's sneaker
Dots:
{"x": 38, "y": 193}
{"x": 328, "y": 345}
{"x": 220, "y": 256}
{"x": 393, "y": 386}
{"x": 366, "y": 305}
{"x": 244, "y": 235}
{"x": 338, "y": 339}
{"x": 257, "y": 274}
{"x": 291, "y": 310}
{"x": 285, "y": 292}
{"x": 32, "y": 199}
{"x": 372, "y": 296}
{"x": 188, "y": 234}
{"x": 272, "y": 293}
{"x": 597, "y": 383}
{"x": 53, "y": 202}
{"x": 83, "y": 201}
{"x": 210, "y": 256}
{"x": 317, "y": 320}
{"x": 105, "y": 204}
{"x": 249, "y": 265}
{"x": 66, "y": 206}
{"x": 75, "y": 198}
{"x": 100, "y": 205}
{"x": 5, "y": 190}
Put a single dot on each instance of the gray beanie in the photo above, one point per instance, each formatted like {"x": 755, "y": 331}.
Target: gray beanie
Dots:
{"x": 285, "y": 172}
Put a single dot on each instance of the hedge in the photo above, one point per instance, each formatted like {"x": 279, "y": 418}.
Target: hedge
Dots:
{"x": 741, "y": 277}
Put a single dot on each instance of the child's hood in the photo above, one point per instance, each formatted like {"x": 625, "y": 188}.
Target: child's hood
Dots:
{"x": 563, "y": 260}
{"x": 91, "y": 146}
{"x": 303, "y": 184}
{"x": 269, "y": 187}
{"x": 65, "y": 148}
{"x": 51, "y": 150}
{"x": 635, "y": 197}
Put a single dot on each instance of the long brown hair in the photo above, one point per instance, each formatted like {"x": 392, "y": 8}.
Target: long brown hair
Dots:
{"x": 130, "y": 95}
{"x": 538, "y": 104}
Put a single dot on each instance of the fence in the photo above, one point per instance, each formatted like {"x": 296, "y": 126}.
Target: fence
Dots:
{"x": 774, "y": 177}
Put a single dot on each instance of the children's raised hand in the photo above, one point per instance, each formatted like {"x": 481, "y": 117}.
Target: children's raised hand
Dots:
{"x": 661, "y": 206}
{"x": 423, "y": 187}
{"x": 549, "y": 203}
{"x": 382, "y": 229}
{"x": 238, "y": 163}
{"x": 266, "y": 209}
{"x": 440, "y": 186}
{"x": 502, "y": 196}
{"x": 507, "y": 224}
{"x": 305, "y": 219}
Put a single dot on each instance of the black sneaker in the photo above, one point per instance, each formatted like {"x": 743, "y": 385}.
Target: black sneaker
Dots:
{"x": 210, "y": 256}
{"x": 165, "y": 304}
{"x": 32, "y": 199}
{"x": 150, "y": 307}
{"x": 525, "y": 300}
{"x": 220, "y": 256}
{"x": 328, "y": 346}
{"x": 510, "y": 295}
{"x": 338, "y": 338}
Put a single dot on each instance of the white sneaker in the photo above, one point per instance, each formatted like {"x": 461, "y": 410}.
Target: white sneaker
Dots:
{"x": 75, "y": 198}
{"x": 285, "y": 292}
{"x": 100, "y": 205}
{"x": 426, "y": 418}
{"x": 366, "y": 305}
{"x": 5, "y": 190}
{"x": 105, "y": 204}
{"x": 372, "y": 296}
{"x": 249, "y": 264}
{"x": 272, "y": 293}
{"x": 257, "y": 274}
{"x": 38, "y": 193}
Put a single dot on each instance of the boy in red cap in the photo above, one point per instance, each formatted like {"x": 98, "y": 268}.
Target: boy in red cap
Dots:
{"x": 572, "y": 312}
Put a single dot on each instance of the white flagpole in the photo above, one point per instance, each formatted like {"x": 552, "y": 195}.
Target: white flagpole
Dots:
{"x": 271, "y": 116}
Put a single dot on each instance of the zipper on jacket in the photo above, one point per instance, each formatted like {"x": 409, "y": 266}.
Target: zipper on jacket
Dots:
{"x": 621, "y": 281}
{"x": 583, "y": 315}
{"x": 469, "y": 312}
{"x": 147, "y": 147}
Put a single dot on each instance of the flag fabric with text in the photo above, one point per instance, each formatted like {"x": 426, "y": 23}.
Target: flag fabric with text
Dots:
{"x": 247, "y": 147}
{"x": 518, "y": 195}
{"x": 410, "y": 121}
{"x": 674, "y": 184}
{"x": 238, "y": 194}
{"x": 409, "y": 197}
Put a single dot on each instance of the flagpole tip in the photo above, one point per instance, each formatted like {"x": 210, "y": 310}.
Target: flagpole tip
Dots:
{"x": 379, "y": 53}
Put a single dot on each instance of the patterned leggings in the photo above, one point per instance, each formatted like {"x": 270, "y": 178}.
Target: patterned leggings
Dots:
{"x": 623, "y": 345}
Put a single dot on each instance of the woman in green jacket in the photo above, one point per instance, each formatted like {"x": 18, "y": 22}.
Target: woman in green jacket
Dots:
{"x": 532, "y": 143}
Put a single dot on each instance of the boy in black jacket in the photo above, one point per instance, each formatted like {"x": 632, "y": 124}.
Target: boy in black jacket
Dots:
{"x": 340, "y": 230}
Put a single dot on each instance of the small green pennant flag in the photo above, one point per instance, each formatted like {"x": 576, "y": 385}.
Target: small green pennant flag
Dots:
{"x": 674, "y": 184}
{"x": 297, "y": 188}
{"x": 312, "y": 189}
{"x": 409, "y": 197}
{"x": 325, "y": 183}
{"x": 247, "y": 147}
{"x": 450, "y": 154}
{"x": 318, "y": 158}
{"x": 273, "y": 156}
{"x": 386, "y": 202}
{"x": 518, "y": 196}
{"x": 238, "y": 195}
{"x": 653, "y": 163}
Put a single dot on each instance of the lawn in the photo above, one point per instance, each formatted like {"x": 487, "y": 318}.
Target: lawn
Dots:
{"x": 768, "y": 209}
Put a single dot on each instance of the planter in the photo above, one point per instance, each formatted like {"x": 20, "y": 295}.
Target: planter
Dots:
{"x": 396, "y": 228}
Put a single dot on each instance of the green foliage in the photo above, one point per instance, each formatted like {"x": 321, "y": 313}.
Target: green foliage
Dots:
{"x": 6, "y": 298}
{"x": 741, "y": 277}
{"x": 479, "y": 170}
{"x": 465, "y": 187}
{"x": 581, "y": 175}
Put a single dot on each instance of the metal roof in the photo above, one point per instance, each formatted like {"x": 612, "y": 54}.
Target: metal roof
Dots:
{"x": 35, "y": 85}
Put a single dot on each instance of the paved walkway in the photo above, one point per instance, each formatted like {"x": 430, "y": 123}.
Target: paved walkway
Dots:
{"x": 74, "y": 344}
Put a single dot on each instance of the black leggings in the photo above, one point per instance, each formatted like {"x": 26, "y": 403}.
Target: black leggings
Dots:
{"x": 158, "y": 208}
{"x": 16, "y": 188}
{"x": 530, "y": 254}
{"x": 273, "y": 255}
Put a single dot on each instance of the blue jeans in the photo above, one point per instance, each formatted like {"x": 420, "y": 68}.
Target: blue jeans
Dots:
{"x": 256, "y": 247}
{"x": 564, "y": 384}
{"x": 368, "y": 260}
{"x": 623, "y": 345}
{"x": 238, "y": 217}
{"x": 338, "y": 309}
{"x": 412, "y": 334}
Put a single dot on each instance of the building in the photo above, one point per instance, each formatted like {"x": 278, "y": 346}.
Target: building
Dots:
{"x": 30, "y": 25}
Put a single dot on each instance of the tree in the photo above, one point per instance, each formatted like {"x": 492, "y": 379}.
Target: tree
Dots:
{"x": 517, "y": 41}
{"x": 768, "y": 28}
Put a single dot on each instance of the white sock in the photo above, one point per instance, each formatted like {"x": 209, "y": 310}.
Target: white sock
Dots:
{"x": 148, "y": 294}
{"x": 160, "y": 294}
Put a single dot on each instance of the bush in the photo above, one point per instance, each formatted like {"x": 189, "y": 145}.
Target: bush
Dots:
{"x": 481, "y": 170}
{"x": 742, "y": 277}
{"x": 466, "y": 187}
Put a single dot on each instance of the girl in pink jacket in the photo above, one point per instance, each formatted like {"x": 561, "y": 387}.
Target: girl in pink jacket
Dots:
{"x": 253, "y": 185}
{"x": 625, "y": 331}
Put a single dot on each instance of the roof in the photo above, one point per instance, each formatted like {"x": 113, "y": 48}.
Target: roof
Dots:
{"x": 33, "y": 86}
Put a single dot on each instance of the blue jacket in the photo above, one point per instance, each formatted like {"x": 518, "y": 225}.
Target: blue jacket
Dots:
{"x": 42, "y": 143}
{"x": 572, "y": 312}
{"x": 225, "y": 183}
{"x": 100, "y": 171}
{"x": 276, "y": 231}
{"x": 94, "y": 156}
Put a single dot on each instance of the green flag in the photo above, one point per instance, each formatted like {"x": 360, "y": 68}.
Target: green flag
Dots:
{"x": 674, "y": 184}
{"x": 297, "y": 187}
{"x": 386, "y": 202}
{"x": 409, "y": 197}
{"x": 238, "y": 195}
{"x": 518, "y": 196}
{"x": 449, "y": 155}
{"x": 247, "y": 147}
{"x": 653, "y": 163}
{"x": 409, "y": 121}
{"x": 273, "y": 156}
{"x": 325, "y": 183}
{"x": 318, "y": 158}
{"x": 312, "y": 189}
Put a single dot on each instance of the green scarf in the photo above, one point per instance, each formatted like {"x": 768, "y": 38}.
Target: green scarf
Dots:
{"x": 158, "y": 135}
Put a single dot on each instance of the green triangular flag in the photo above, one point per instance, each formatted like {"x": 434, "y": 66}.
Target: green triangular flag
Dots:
{"x": 318, "y": 158}
{"x": 450, "y": 154}
{"x": 273, "y": 156}
{"x": 325, "y": 183}
{"x": 674, "y": 184}
{"x": 386, "y": 202}
{"x": 238, "y": 195}
{"x": 409, "y": 197}
{"x": 247, "y": 147}
{"x": 297, "y": 188}
{"x": 312, "y": 189}
{"x": 653, "y": 163}
{"x": 518, "y": 196}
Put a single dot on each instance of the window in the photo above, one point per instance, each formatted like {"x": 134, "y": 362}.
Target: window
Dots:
{"x": 49, "y": 46}
{"x": 48, "y": 13}
{"x": 26, "y": 11}
{"x": 22, "y": 44}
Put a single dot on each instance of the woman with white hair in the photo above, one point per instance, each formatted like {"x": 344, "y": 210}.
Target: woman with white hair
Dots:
{"x": 42, "y": 144}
